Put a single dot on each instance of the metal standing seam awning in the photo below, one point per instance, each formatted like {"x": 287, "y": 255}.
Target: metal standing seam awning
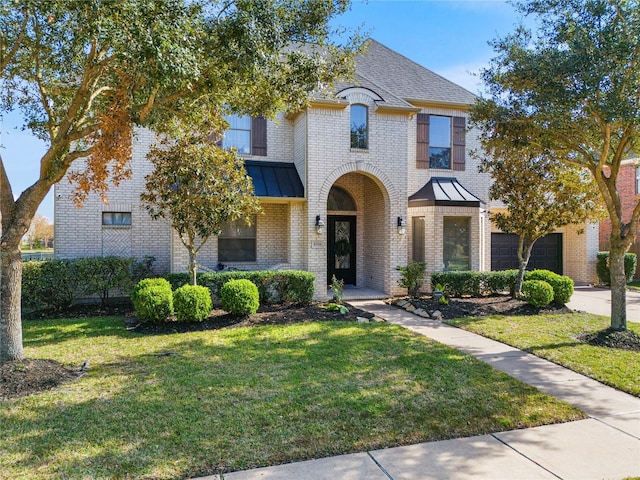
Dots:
{"x": 447, "y": 192}
{"x": 274, "y": 179}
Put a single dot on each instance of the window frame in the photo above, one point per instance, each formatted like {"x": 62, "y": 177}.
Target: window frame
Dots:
{"x": 226, "y": 144}
{"x": 239, "y": 224}
{"x": 113, "y": 215}
{"x": 353, "y": 135}
{"x": 448, "y": 148}
{"x": 257, "y": 130}
{"x": 457, "y": 148}
{"x": 638, "y": 179}
{"x": 446, "y": 263}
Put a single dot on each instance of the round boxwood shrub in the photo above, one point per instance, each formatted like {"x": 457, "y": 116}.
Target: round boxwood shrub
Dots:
{"x": 537, "y": 292}
{"x": 192, "y": 303}
{"x": 561, "y": 284}
{"x": 152, "y": 300}
{"x": 240, "y": 297}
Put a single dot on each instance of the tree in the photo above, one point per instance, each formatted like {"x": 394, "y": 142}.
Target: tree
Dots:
{"x": 40, "y": 233}
{"x": 540, "y": 194}
{"x": 572, "y": 93}
{"x": 199, "y": 187}
{"x": 83, "y": 72}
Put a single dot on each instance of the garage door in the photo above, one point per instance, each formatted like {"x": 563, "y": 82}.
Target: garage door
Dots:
{"x": 546, "y": 254}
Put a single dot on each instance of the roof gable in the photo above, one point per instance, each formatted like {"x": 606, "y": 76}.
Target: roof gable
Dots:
{"x": 406, "y": 79}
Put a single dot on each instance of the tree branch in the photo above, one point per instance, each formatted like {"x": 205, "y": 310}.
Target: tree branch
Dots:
{"x": 16, "y": 44}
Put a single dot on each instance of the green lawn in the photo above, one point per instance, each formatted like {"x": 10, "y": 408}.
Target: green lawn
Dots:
{"x": 173, "y": 406}
{"x": 554, "y": 337}
{"x": 635, "y": 285}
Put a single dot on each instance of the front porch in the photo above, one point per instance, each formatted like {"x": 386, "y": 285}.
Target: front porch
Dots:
{"x": 353, "y": 292}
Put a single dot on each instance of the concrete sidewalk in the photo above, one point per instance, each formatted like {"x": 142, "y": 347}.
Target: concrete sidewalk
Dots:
{"x": 605, "y": 446}
{"x": 598, "y": 300}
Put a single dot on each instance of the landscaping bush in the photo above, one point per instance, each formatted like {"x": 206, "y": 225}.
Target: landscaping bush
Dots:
{"x": 152, "y": 300}
{"x": 561, "y": 284}
{"x": 499, "y": 281}
{"x": 460, "y": 283}
{"x": 102, "y": 275}
{"x": 295, "y": 286}
{"x": 412, "y": 277}
{"x": 49, "y": 284}
{"x": 602, "y": 267}
{"x": 240, "y": 297}
{"x": 537, "y": 292}
{"x": 192, "y": 303}
{"x": 292, "y": 286}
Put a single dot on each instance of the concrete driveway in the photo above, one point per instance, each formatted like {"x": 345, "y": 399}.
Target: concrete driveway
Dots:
{"x": 598, "y": 301}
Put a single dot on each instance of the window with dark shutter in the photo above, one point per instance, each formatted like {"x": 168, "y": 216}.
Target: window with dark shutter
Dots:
{"x": 458, "y": 133}
{"x": 259, "y": 136}
{"x": 422, "y": 146}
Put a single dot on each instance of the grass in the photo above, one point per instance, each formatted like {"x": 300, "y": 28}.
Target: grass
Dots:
{"x": 635, "y": 285}
{"x": 554, "y": 337}
{"x": 173, "y": 406}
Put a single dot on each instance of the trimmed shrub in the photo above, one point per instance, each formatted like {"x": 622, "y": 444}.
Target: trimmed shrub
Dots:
{"x": 102, "y": 275}
{"x": 460, "y": 283}
{"x": 240, "y": 297}
{"x": 291, "y": 286}
{"x": 412, "y": 277}
{"x": 152, "y": 300}
{"x": 561, "y": 284}
{"x": 537, "y": 292}
{"x": 192, "y": 303}
{"x": 49, "y": 284}
{"x": 294, "y": 286}
{"x": 604, "y": 273}
{"x": 500, "y": 281}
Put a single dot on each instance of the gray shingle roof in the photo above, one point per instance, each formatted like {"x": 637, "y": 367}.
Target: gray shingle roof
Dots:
{"x": 401, "y": 79}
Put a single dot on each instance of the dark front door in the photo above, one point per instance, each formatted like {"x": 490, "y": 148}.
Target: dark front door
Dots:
{"x": 341, "y": 248}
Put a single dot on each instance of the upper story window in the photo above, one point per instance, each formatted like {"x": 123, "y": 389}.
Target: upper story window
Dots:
{"x": 118, "y": 219}
{"x": 440, "y": 142}
{"x": 359, "y": 127}
{"x": 248, "y": 135}
{"x": 637, "y": 179}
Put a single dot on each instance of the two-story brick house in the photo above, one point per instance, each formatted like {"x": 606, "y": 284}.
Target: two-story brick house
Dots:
{"x": 356, "y": 184}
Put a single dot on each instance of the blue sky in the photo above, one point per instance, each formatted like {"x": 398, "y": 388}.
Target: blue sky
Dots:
{"x": 448, "y": 37}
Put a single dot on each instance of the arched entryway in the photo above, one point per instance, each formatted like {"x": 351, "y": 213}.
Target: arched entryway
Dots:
{"x": 358, "y": 232}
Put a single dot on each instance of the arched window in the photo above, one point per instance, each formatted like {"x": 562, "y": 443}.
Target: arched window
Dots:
{"x": 359, "y": 127}
{"x": 340, "y": 200}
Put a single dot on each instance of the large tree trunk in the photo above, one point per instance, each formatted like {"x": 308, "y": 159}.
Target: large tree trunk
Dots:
{"x": 10, "y": 295}
{"x": 618, "y": 286}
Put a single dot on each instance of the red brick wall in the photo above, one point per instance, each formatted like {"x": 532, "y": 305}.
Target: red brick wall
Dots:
{"x": 629, "y": 197}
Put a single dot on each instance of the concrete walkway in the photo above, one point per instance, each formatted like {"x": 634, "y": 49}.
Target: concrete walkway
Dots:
{"x": 598, "y": 300}
{"x": 604, "y": 446}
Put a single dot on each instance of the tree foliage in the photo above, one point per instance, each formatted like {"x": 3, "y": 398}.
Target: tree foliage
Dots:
{"x": 82, "y": 73}
{"x": 570, "y": 91}
{"x": 198, "y": 187}
{"x": 540, "y": 194}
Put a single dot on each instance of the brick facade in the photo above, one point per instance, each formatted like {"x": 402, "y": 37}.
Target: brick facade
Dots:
{"x": 317, "y": 141}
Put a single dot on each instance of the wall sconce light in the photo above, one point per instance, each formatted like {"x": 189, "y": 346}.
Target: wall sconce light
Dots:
{"x": 402, "y": 226}
{"x": 319, "y": 225}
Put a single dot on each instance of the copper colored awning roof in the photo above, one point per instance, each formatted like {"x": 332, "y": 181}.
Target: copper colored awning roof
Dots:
{"x": 446, "y": 192}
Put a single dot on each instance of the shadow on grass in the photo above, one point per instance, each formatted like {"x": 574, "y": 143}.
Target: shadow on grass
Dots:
{"x": 46, "y": 332}
{"x": 210, "y": 402}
